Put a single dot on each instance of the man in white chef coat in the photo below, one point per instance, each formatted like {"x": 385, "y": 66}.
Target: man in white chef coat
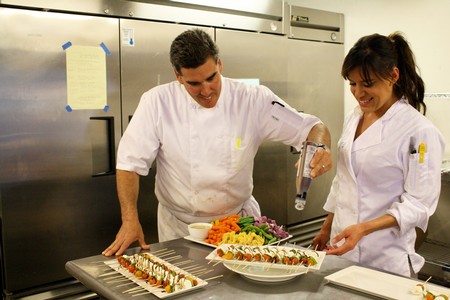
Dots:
{"x": 203, "y": 130}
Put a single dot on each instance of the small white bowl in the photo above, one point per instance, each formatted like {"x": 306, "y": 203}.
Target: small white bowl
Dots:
{"x": 199, "y": 231}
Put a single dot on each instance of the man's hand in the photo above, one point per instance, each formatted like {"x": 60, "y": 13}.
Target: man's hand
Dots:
{"x": 321, "y": 162}
{"x": 129, "y": 232}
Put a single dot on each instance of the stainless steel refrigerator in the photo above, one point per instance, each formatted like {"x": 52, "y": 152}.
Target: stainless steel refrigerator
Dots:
{"x": 57, "y": 185}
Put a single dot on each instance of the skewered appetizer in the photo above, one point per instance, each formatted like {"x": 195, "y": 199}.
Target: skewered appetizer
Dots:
{"x": 421, "y": 289}
{"x": 156, "y": 273}
{"x": 269, "y": 254}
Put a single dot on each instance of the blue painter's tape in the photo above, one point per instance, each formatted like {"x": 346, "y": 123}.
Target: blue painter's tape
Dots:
{"x": 108, "y": 53}
{"x": 68, "y": 108}
{"x": 106, "y": 108}
{"x": 66, "y": 45}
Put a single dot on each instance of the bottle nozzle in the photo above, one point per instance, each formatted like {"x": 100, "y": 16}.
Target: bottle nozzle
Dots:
{"x": 300, "y": 202}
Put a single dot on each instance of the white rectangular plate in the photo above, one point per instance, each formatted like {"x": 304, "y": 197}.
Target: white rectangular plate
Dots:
{"x": 318, "y": 255}
{"x": 380, "y": 284}
{"x": 157, "y": 291}
{"x": 190, "y": 238}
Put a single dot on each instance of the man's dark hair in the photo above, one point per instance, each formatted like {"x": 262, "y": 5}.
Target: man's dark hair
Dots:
{"x": 191, "y": 49}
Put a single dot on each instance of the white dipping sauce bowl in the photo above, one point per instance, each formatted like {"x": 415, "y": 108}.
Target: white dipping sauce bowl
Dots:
{"x": 199, "y": 231}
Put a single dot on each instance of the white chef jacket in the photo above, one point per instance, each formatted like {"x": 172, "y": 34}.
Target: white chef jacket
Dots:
{"x": 205, "y": 156}
{"x": 377, "y": 174}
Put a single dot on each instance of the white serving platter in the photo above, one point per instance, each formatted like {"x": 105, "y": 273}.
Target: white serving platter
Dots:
{"x": 380, "y": 284}
{"x": 264, "y": 274}
{"x": 157, "y": 291}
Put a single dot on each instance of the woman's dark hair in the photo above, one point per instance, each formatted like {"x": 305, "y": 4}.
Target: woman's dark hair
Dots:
{"x": 191, "y": 49}
{"x": 380, "y": 54}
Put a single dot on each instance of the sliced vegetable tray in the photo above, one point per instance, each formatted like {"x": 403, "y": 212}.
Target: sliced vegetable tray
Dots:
{"x": 190, "y": 238}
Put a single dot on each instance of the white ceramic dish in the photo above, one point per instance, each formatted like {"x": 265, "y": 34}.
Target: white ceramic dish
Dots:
{"x": 199, "y": 231}
{"x": 264, "y": 274}
{"x": 190, "y": 238}
{"x": 384, "y": 285}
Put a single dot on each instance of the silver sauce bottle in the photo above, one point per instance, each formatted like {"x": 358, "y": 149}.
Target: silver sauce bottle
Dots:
{"x": 304, "y": 180}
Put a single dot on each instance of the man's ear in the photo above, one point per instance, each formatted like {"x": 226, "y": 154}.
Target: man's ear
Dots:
{"x": 219, "y": 62}
{"x": 178, "y": 76}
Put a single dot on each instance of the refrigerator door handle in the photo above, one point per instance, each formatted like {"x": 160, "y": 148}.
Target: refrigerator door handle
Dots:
{"x": 103, "y": 146}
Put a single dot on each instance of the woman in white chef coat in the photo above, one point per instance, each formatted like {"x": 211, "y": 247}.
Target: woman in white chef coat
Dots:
{"x": 389, "y": 159}
{"x": 203, "y": 130}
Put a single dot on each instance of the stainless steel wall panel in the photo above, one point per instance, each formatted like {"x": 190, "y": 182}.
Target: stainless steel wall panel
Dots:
{"x": 147, "y": 63}
{"x": 306, "y": 75}
{"x": 315, "y": 87}
{"x": 248, "y": 55}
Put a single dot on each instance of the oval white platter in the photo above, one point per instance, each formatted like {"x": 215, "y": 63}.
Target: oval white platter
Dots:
{"x": 264, "y": 274}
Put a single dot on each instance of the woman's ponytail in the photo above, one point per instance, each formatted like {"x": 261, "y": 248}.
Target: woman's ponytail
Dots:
{"x": 410, "y": 84}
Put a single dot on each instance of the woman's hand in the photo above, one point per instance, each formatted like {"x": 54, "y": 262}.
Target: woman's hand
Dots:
{"x": 347, "y": 239}
{"x": 320, "y": 241}
{"x": 350, "y": 236}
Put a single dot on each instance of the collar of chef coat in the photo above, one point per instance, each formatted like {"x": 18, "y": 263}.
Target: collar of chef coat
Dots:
{"x": 373, "y": 135}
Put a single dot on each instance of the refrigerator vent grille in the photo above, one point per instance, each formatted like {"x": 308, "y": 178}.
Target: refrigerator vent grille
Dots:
{"x": 304, "y": 232}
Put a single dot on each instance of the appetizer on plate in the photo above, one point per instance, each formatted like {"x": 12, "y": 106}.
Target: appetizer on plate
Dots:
{"x": 157, "y": 273}
{"x": 281, "y": 257}
{"x": 421, "y": 289}
{"x": 270, "y": 254}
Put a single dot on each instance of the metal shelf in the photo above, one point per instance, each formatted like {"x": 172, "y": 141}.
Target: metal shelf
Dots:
{"x": 437, "y": 96}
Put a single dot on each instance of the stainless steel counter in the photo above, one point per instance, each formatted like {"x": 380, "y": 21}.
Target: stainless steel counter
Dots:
{"x": 91, "y": 272}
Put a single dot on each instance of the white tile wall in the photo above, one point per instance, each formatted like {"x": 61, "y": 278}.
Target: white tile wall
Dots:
{"x": 438, "y": 111}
